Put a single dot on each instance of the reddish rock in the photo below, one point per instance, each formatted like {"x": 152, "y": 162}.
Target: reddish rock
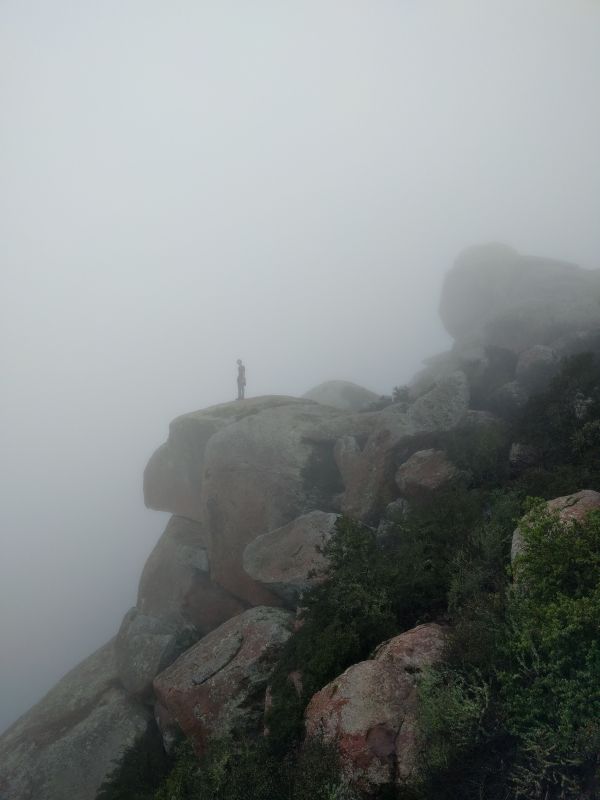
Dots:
{"x": 218, "y": 685}
{"x": 288, "y": 561}
{"x": 425, "y": 471}
{"x": 369, "y": 711}
{"x": 571, "y": 508}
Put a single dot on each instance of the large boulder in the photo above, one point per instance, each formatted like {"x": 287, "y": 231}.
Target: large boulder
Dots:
{"x": 267, "y": 461}
{"x": 66, "y": 745}
{"x": 343, "y": 395}
{"x": 174, "y": 473}
{"x": 570, "y": 508}
{"x": 218, "y": 685}
{"x": 426, "y": 471}
{"x": 289, "y": 560}
{"x": 512, "y": 301}
{"x": 370, "y": 711}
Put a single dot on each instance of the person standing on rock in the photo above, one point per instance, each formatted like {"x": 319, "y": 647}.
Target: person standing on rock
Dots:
{"x": 241, "y": 379}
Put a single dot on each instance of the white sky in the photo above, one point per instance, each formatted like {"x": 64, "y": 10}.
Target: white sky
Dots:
{"x": 184, "y": 183}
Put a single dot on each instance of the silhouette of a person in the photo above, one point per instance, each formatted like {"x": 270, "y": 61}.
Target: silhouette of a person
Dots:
{"x": 241, "y": 379}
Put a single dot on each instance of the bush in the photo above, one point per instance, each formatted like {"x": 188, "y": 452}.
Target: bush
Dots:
{"x": 140, "y": 770}
{"x": 549, "y": 688}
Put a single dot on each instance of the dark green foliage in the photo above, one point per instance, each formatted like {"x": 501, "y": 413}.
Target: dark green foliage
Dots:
{"x": 238, "y": 770}
{"x": 139, "y": 772}
{"x": 523, "y": 721}
{"x": 563, "y": 421}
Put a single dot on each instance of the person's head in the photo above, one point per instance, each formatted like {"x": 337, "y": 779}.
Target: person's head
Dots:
{"x": 239, "y": 361}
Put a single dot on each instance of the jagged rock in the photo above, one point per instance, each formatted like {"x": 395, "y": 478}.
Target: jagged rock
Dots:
{"x": 425, "y": 471}
{"x": 286, "y": 559}
{"x": 536, "y": 367}
{"x": 369, "y": 711}
{"x": 570, "y": 508}
{"x": 145, "y": 646}
{"x": 342, "y": 394}
{"x": 66, "y": 745}
{"x": 176, "y": 583}
{"x": 368, "y": 472}
{"x": 218, "y": 685}
{"x": 514, "y": 301}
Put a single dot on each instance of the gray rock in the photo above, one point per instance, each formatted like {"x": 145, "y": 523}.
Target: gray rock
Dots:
{"x": 505, "y": 299}
{"x": 536, "y": 367}
{"x": 144, "y": 646}
{"x": 218, "y": 686}
{"x": 288, "y": 560}
{"x": 426, "y": 471}
{"x": 344, "y": 395}
{"x": 66, "y": 745}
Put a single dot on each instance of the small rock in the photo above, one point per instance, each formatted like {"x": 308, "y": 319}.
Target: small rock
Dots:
{"x": 425, "y": 471}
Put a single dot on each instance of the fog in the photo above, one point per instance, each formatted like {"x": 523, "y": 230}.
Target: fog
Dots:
{"x": 186, "y": 183}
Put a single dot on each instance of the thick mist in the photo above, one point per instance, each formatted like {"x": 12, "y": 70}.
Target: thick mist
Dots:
{"x": 186, "y": 183}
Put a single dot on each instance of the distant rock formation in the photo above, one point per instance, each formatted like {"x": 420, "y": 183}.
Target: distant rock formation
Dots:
{"x": 344, "y": 395}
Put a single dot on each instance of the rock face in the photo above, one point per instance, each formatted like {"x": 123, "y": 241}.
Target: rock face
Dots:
{"x": 425, "y": 471}
{"x": 344, "y": 395}
{"x": 285, "y": 559}
{"x": 570, "y": 508}
{"x": 65, "y": 746}
{"x": 369, "y": 711}
{"x": 219, "y": 684}
{"x": 514, "y": 301}
{"x": 265, "y": 462}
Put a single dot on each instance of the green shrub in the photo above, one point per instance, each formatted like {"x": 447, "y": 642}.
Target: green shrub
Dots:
{"x": 550, "y": 685}
{"x": 139, "y": 771}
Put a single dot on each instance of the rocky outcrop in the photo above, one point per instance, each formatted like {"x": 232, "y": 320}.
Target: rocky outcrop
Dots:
{"x": 426, "y": 471}
{"x": 66, "y": 745}
{"x": 344, "y": 395}
{"x": 368, "y": 471}
{"x": 495, "y": 295}
{"x": 176, "y": 583}
{"x": 570, "y": 508}
{"x": 288, "y": 561}
{"x": 369, "y": 711}
{"x": 219, "y": 684}
{"x": 266, "y": 462}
